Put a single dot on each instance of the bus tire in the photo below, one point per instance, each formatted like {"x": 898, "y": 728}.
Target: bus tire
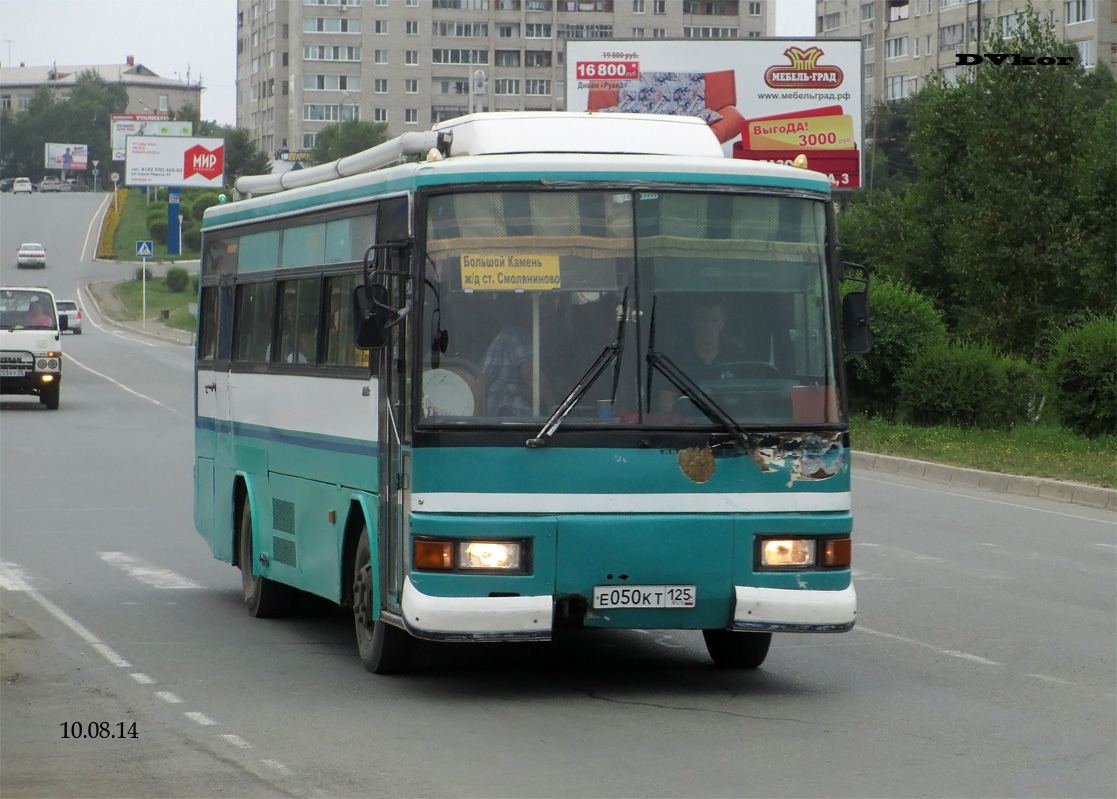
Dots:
{"x": 383, "y": 649}
{"x": 264, "y": 598}
{"x": 737, "y": 650}
{"x": 49, "y": 396}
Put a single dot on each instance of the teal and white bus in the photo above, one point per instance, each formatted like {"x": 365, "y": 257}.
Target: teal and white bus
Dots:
{"x": 527, "y": 371}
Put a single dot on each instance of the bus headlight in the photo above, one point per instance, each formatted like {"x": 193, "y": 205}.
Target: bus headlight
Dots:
{"x": 504, "y": 555}
{"x": 788, "y": 552}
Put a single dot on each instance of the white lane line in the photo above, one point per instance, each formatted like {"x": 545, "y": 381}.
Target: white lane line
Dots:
{"x": 237, "y": 741}
{"x": 1106, "y": 546}
{"x": 147, "y": 573}
{"x": 76, "y": 362}
{"x": 951, "y": 652}
{"x": 200, "y": 718}
{"x": 89, "y": 230}
{"x": 275, "y": 764}
{"x": 983, "y": 499}
{"x": 168, "y": 697}
{"x": 142, "y": 678}
{"x": 1045, "y": 678}
{"x": 12, "y": 575}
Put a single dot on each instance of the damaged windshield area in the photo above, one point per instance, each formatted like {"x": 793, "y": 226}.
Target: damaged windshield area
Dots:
{"x": 670, "y": 308}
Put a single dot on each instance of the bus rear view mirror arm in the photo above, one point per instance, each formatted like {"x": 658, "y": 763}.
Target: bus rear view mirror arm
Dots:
{"x": 855, "y": 312}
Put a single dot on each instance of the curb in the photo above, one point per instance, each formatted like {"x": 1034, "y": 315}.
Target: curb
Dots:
{"x": 1017, "y": 485}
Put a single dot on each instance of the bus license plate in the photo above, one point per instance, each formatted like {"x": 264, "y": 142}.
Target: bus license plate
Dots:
{"x": 12, "y": 372}
{"x": 644, "y": 596}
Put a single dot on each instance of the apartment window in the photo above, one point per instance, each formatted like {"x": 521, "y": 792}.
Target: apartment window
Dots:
{"x": 951, "y": 75}
{"x": 1079, "y": 11}
{"x": 951, "y": 36}
{"x": 537, "y": 58}
{"x": 410, "y": 57}
{"x": 380, "y": 26}
{"x": 463, "y": 29}
{"x": 637, "y": 6}
{"x": 312, "y": 52}
{"x": 1010, "y": 24}
{"x": 637, "y": 33}
{"x": 869, "y": 70}
{"x": 255, "y": 65}
{"x": 898, "y": 13}
{"x": 380, "y": 56}
{"x": 896, "y": 48}
{"x": 380, "y": 115}
{"x": 659, "y": 6}
{"x": 754, "y": 34}
{"x": 703, "y": 32}
{"x": 537, "y": 30}
{"x": 832, "y": 21}
{"x": 1087, "y": 53}
{"x": 508, "y": 30}
{"x": 351, "y": 83}
{"x": 411, "y": 27}
{"x": 321, "y": 112}
{"x": 537, "y": 87}
{"x": 506, "y": 86}
{"x": 380, "y": 85}
{"x": 164, "y": 102}
{"x": 949, "y": 3}
{"x": 894, "y": 88}
{"x": 270, "y": 31}
{"x": 869, "y": 41}
{"x": 580, "y": 31}
{"x": 411, "y": 116}
{"x": 867, "y": 12}
{"x": 332, "y": 25}
{"x": 755, "y": 9}
{"x": 411, "y": 86}
{"x": 659, "y": 33}
{"x": 915, "y": 47}
{"x": 283, "y": 60}
{"x": 5, "y": 102}
{"x": 450, "y": 86}
{"x": 308, "y": 140}
{"x": 507, "y": 58}
{"x": 381, "y": 3}
{"x": 411, "y": 3}
{"x": 455, "y": 56}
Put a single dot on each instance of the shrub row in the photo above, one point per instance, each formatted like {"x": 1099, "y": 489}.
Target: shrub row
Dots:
{"x": 916, "y": 372}
{"x": 105, "y": 247}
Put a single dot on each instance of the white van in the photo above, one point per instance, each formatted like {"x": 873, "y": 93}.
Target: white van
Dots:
{"x": 31, "y": 343}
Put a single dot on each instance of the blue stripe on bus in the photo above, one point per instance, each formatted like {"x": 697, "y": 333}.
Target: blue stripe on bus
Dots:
{"x": 345, "y": 446}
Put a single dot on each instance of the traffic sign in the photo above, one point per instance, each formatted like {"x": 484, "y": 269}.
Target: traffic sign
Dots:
{"x": 144, "y": 249}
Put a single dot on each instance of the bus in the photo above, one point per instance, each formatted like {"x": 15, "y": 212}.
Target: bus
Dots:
{"x": 529, "y": 371}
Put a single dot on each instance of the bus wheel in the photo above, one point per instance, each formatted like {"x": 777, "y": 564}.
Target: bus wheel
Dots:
{"x": 383, "y": 649}
{"x": 264, "y": 598}
{"x": 734, "y": 650}
{"x": 49, "y": 396}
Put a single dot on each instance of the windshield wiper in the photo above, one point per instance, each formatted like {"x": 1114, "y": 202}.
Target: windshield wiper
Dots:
{"x": 611, "y": 354}
{"x": 680, "y": 380}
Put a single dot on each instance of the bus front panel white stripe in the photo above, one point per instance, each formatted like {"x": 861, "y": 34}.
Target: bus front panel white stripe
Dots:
{"x": 786, "y": 502}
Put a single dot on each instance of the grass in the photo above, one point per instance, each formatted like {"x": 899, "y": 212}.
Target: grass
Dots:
{"x": 1039, "y": 451}
{"x": 133, "y": 228}
{"x": 159, "y": 298}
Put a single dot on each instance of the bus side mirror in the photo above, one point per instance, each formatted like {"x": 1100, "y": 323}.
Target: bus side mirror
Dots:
{"x": 855, "y": 311}
{"x": 63, "y": 323}
{"x": 370, "y": 317}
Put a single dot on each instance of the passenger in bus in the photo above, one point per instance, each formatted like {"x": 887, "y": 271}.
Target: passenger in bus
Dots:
{"x": 304, "y": 351}
{"x": 700, "y": 354}
{"x": 507, "y": 365}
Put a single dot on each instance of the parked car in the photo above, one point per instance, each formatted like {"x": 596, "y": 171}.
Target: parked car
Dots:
{"x": 31, "y": 254}
{"x": 22, "y": 186}
{"x": 73, "y": 184}
{"x": 72, "y": 312}
{"x": 50, "y": 183}
{"x": 6, "y": 184}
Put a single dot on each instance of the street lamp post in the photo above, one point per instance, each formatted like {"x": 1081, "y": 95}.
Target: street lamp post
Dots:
{"x": 341, "y": 107}
{"x": 478, "y": 84}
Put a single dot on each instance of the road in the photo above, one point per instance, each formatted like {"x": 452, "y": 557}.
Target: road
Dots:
{"x": 982, "y": 663}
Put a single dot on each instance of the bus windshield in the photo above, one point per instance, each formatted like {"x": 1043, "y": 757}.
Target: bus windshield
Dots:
{"x": 668, "y": 307}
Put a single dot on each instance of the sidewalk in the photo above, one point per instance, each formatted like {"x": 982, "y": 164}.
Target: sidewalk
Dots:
{"x": 1015, "y": 485}
{"x": 94, "y": 294}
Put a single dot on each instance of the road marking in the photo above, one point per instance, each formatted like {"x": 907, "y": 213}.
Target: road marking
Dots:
{"x": 147, "y": 573}
{"x": 275, "y": 764}
{"x": 200, "y": 718}
{"x": 89, "y": 230}
{"x": 951, "y": 652}
{"x": 76, "y": 362}
{"x": 167, "y": 696}
{"x": 142, "y": 678}
{"x": 237, "y": 741}
{"x": 1045, "y": 678}
{"x": 984, "y": 499}
{"x": 11, "y": 577}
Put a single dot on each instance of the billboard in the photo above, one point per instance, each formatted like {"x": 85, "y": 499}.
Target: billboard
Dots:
{"x": 125, "y": 125}
{"x": 174, "y": 161}
{"x": 765, "y": 99}
{"x": 66, "y": 156}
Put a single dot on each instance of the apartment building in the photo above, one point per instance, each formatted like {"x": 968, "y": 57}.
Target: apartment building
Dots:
{"x": 148, "y": 93}
{"x": 305, "y": 64}
{"x": 905, "y": 41}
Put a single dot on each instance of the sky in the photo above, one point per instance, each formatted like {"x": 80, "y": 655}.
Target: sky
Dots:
{"x": 176, "y": 37}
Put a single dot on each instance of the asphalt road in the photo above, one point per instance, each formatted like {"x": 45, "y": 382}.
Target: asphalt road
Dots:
{"x": 982, "y": 663}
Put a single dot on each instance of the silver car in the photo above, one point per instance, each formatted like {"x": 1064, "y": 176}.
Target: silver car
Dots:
{"x": 31, "y": 254}
{"x": 72, "y": 312}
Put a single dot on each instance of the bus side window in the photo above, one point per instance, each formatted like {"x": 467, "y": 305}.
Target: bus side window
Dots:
{"x": 339, "y": 322}
{"x": 207, "y": 341}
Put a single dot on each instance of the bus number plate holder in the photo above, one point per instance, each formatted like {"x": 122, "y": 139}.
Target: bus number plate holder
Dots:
{"x": 644, "y": 596}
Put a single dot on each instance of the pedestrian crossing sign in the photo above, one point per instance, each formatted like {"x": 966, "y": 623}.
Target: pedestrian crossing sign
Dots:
{"x": 144, "y": 249}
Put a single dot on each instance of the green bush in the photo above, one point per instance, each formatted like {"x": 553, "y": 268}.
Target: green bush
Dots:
{"x": 195, "y": 282}
{"x": 902, "y": 323}
{"x": 192, "y": 236}
{"x": 139, "y": 273}
{"x": 203, "y": 201}
{"x": 966, "y": 385}
{"x": 177, "y": 279}
{"x": 157, "y": 212}
{"x": 158, "y": 230}
{"x": 1083, "y": 374}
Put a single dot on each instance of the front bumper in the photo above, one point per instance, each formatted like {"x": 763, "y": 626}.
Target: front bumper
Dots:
{"x": 789, "y": 610}
{"x": 476, "y": 618}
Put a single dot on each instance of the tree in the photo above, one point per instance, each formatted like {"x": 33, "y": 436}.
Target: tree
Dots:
{"x": 346, "y": 138}
{"x": 997, "y": 212}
